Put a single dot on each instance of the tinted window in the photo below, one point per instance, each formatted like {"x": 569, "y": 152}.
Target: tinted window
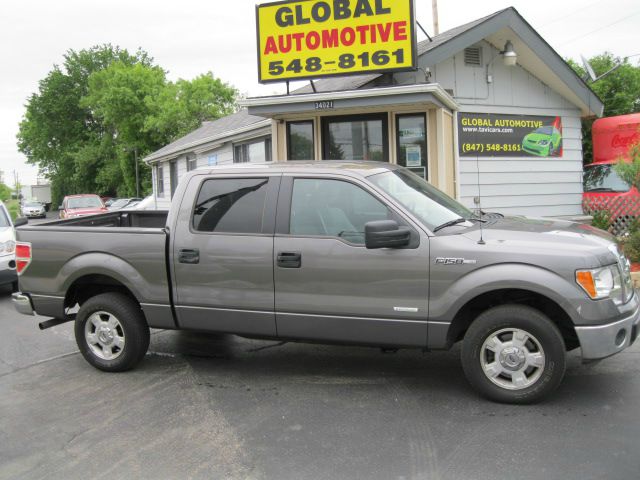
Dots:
{"x": 603, "y": 178}
{"x": 331, "y": 208}
{"x": 84, "y": 202}
{"x": 234, "y": 205}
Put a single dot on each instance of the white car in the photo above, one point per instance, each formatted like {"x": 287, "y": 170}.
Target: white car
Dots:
{"x": 7, "y": 249}
{"x": 32, "y": 209}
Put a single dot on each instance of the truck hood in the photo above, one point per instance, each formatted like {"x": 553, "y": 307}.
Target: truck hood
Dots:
{"x": 548, "y": 236}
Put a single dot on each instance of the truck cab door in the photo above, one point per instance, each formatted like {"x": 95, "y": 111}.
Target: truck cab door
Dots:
{"x": 222, "y": 254}
{"x": 328, "y": 285}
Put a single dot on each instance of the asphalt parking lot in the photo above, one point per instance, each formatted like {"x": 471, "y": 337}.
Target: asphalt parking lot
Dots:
{"x": 209, "y": 406}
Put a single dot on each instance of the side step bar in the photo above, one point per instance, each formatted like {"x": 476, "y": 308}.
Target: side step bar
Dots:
{"x": 52, "y": 322}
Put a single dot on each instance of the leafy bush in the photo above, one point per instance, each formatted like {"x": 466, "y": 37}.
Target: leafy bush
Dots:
{"x": 631, "y": 247}
{"x": 14, "y": 208}
{"x": 634, "y": 225}
{"x": 601, "y": 219}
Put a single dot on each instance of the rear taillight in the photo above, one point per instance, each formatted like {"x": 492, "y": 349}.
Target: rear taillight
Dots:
{"x": 23, "y": 256}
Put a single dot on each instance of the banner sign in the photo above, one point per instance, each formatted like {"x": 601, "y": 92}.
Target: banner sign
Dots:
{"x": 305, "y": 39}
{"x": 496, "y": 135}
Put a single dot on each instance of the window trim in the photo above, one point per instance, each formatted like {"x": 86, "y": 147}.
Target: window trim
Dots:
{"x": 194, "y": 159}
{"x": 160, "y": 180}
{"x": 245, "y": 143}
{"x": 313, "y": 139}
{"x": 268, "y": 213}
{"x": 426, "y": 140}
{"x": 384, "y": 116}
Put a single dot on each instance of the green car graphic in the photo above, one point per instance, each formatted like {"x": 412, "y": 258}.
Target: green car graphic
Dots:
{"x": 544, "y": 142}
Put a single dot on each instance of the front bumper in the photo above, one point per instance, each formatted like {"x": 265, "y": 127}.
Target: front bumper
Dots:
{"x": 601, "y": 341}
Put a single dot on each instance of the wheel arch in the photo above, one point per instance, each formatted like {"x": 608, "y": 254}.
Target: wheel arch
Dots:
{"x": 520, "y": 296}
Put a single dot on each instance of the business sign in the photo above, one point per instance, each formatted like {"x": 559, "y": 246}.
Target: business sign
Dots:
{"x": 495, "y": 135}
{"x": 305, "y": 39}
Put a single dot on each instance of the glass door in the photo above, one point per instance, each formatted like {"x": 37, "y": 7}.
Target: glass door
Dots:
{"x": 411, "y": 133}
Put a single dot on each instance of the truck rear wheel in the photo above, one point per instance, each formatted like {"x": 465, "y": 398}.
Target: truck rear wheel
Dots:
{"x": 513, "y": 354}
{"x": 111, "y": 332}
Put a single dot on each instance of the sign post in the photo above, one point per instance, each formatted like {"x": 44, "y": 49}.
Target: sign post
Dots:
{"x": 306, "y": 39}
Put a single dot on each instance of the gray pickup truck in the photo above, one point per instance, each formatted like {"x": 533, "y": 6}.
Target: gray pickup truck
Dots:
{"x": 335, "y": 252}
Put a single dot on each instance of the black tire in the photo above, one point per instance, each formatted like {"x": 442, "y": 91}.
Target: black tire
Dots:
{"x": 546, "y": 337}
{"x": 14, "y": 286}
{"x": 132, "y": 327}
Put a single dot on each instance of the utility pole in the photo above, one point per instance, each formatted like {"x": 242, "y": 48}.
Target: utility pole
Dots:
{"x": 135, "y": 159}
{"x": 434, "y": 9}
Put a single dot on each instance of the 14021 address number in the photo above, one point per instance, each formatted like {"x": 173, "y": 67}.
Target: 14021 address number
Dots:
{"x": 345, "y": 61}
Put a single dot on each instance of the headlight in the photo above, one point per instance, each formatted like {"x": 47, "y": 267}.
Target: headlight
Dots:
{"x": 7, "y": 247}
{"x": 599, "y": 283}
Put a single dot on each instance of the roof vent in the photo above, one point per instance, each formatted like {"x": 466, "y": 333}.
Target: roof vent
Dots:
{"x": 473, "y": 56}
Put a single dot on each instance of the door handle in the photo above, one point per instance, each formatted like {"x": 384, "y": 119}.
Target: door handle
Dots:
{"x": 189, "y": 255}
{"x": 289, "y": 259}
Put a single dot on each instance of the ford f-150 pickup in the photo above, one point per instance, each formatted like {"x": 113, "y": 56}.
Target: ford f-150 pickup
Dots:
{"x": 335, "y": 252}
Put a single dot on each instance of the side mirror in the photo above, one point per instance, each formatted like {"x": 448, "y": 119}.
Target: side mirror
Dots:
{"x": 386, "y": 234}
{"x": 61, "y": 207}
{"x": 20, "y": 221}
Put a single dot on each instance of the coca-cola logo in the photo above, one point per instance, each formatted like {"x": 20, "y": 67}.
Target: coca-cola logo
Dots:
{"x": 622, "y": 141}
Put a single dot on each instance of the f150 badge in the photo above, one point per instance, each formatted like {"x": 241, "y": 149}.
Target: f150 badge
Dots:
{"x": 455, "y": 261}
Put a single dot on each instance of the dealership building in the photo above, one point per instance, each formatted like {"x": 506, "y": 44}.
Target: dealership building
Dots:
{"x": 491, "y": 108}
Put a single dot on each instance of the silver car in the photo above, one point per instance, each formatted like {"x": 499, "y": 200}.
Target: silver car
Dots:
{"x": 33, "y": 210}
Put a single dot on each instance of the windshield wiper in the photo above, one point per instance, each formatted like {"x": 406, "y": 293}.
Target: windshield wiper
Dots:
{"x": 449, "y": 224}
{"x": 601, "y": 189}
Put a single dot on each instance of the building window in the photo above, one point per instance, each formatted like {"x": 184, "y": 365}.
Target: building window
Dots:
{"x": 160, "y": 181}
{"x": 173, "y": 176}
{"x": 252, "y": 152}
{"x": 300, "y": 140}
{"x": 411, "y": 142}
{"x": 360, "y": 137}
{"x": 192, "y": 162}
{"x": 231, "y": 205}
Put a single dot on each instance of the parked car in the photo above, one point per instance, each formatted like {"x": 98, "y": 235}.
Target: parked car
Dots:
{"x": 33, "y": 209}
{"x": 108, "y": 200}
{"x": 124, "y": 203}
{"x": 147, "y": 203}
{"x": 8, "y": 273}
{"x": 336, "y": 252}
{"x": 603, "y": 187}
{"x": 544, "y": 142}
{"x": 81, "y": 205}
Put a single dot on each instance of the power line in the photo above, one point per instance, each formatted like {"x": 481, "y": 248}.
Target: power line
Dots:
{"x": 571, "y": 14}
{"x": 600, "y": 28}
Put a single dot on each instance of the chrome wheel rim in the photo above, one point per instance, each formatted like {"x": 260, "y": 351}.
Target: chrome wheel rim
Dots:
{"x": 104, "y": 335}
{"x": 512, "y": 358}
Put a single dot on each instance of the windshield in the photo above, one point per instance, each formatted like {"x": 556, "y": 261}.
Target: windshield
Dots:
{"x": 545, "y": 130}
{"x": 431, "y": 206}
{"x": 32, "y": 204}
{"x": 84, "y": 202}
{"x": 603, "y": 178}
{"x": 120, "y": 203}
{"x": 4, "y": 219}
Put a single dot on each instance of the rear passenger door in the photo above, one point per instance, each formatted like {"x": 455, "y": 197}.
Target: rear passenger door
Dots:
{"x": 222, "y": 254}
{"x": 329, "y": 287}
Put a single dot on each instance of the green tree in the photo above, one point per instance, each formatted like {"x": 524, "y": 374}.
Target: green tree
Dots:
{"x": 57, "y": 132}
{"x": 620, "y": 92}
{"x": 185, "y": 104}
{"x": 5, "y": 192}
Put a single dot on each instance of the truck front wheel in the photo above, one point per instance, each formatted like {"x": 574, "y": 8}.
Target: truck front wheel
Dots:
{"x": 513, "y": 354}
{"x": 111, "y": 332}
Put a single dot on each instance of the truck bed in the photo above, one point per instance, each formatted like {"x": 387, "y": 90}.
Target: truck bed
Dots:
{"x": 126, "y": 246}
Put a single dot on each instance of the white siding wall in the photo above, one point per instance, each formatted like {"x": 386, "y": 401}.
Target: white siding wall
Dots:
{"x": 528, "y": 186}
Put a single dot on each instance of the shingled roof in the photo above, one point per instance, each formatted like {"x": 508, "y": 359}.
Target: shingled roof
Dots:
{"x": 209, "y": 132}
